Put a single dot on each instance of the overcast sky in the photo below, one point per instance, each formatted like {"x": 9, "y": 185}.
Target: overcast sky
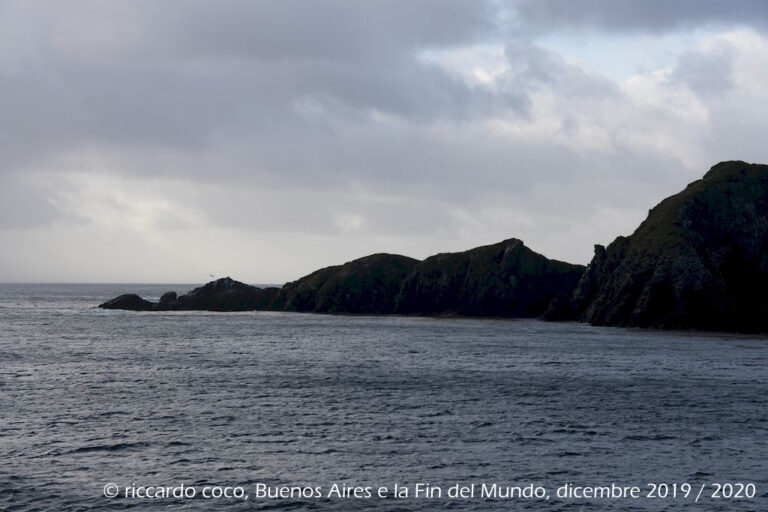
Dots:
{"x": 163, "y": 141}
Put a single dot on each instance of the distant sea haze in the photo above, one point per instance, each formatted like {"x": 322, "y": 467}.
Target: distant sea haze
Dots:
{"x": 93, "y": 397}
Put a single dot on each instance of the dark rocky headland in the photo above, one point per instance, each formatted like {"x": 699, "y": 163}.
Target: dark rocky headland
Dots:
{"x": 504, "y": 279}
{"x": 699, "y": 261}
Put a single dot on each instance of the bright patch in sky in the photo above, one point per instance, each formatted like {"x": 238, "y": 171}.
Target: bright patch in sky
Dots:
{"x": 620, "y": 56}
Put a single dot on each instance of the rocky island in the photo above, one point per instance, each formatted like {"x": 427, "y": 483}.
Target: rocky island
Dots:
{"x": 504, "y": 279}
{"x": 699, "y": 261}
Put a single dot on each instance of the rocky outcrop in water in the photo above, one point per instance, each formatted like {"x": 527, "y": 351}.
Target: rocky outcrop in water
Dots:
{"x": 129, "y": 301}
{"x": 505, "y": 279}
{"x": 223, "y": 294}
{"x": 699, "y": 261}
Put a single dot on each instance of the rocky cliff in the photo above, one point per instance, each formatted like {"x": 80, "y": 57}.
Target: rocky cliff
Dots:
{"x": 504, "y": 279}
{"x": 365, "y": 285}
{"x": 699, "y": 261}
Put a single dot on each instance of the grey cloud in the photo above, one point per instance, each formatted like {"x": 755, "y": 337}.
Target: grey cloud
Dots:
{"x": 176, "y": 74}
{"x": 330, "y": 30}
{"x": 261, "y": 119}
{"x": 706, "y": 73}
{"x": 329, "y": 213}
{"x": 533, "y": 67}
{"x": 26, "y": 205}
{"x": 632, "y": 15}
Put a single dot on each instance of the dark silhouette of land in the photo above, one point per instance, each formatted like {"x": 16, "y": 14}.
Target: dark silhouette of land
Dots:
{"x": 699, "y": 261}
{"x": 504, "y": 279}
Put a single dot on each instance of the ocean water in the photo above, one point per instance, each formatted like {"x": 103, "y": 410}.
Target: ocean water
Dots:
{"x": 263, "y": 400}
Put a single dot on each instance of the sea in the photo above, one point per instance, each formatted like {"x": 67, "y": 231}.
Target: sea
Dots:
{"x": 116, "y": 410}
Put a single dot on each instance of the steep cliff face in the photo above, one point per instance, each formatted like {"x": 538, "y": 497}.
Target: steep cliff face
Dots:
{"x": 365, "y": 285}
{"x": 700, "y": 260}
{"x": 504, "y": 279}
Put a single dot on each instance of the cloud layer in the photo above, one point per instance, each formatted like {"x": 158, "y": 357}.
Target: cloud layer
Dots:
{"x": 163, "y": 141}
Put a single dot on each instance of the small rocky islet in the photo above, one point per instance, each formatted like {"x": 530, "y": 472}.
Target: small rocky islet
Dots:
{"x": 698, "y": 261}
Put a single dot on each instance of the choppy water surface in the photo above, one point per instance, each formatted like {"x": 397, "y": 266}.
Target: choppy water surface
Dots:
{"x": 89, "y": 397}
